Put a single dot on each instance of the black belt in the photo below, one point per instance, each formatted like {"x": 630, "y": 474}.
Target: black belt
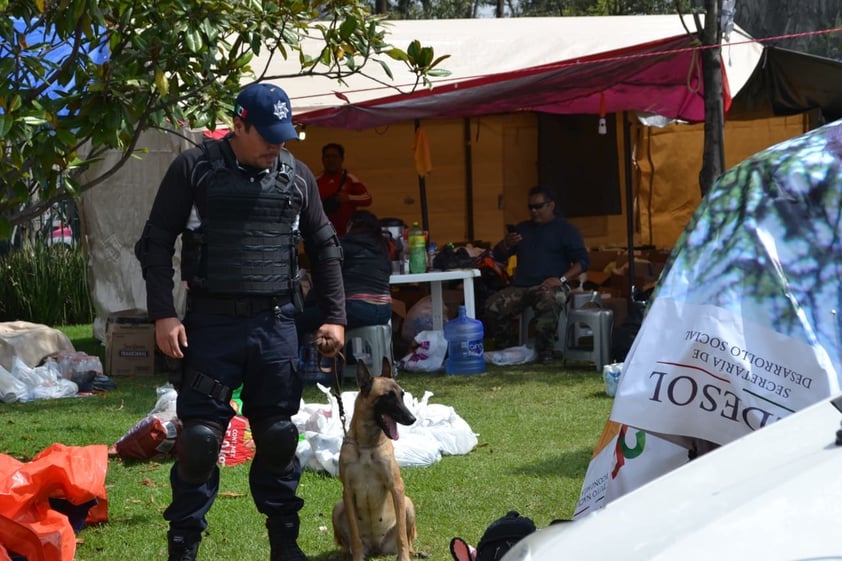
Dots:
{"x": 242, "y": 306}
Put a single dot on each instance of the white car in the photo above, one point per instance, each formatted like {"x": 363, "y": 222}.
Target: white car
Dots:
{"x": 775, "y": 494}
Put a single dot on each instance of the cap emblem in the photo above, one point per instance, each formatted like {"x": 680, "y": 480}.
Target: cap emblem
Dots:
{"x": 281, "y": 110}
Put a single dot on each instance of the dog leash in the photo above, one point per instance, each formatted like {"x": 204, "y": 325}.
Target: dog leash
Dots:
{"x": 336, "y": 366}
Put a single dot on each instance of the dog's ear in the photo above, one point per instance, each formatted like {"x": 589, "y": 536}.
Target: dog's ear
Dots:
{"x": 387, "y": 368}
{"x": 364, "y": 377}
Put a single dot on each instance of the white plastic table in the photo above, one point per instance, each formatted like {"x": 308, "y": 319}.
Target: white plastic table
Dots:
{"x": 435, "y": 278}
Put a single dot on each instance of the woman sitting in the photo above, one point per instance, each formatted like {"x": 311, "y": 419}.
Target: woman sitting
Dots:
{"x": 366, "y": 268}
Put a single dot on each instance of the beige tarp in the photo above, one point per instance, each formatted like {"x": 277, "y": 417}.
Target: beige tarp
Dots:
{"x": 114, "y": 213}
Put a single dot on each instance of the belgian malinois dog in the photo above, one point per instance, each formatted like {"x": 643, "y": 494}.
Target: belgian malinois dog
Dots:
{"x": 374, "y": 517}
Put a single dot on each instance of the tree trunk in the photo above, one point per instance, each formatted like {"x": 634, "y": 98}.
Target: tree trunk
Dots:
{"x": 713, "y": 160}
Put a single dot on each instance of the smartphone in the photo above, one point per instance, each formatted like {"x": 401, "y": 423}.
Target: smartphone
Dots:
{"x": 510, "y": 228}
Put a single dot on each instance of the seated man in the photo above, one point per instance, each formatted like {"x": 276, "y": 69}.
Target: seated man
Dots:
{"x": 549, "y": 251}
{"x": 366, "y": 268}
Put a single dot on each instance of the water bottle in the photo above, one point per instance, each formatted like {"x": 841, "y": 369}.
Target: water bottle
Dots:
{"x": 417, "y": 249}
{"x": 464, "y": 345}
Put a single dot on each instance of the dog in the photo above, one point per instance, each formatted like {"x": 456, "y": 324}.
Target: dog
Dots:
{"x": 375, "y": 516}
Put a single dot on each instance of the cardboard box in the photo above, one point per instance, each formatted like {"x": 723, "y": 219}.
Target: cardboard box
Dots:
{"x": 129, "y": 344}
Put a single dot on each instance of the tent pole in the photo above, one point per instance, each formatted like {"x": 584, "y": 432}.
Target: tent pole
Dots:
{"x": 627, "y": 157}
{"x": 469, "y": 180}
{"x": 422, "y": 194}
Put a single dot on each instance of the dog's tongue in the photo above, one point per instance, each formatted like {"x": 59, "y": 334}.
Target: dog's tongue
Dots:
{"x": 391, "y": 427}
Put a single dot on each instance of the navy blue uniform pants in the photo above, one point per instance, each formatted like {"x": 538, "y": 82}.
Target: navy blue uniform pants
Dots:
{"x": 260, "y": 352}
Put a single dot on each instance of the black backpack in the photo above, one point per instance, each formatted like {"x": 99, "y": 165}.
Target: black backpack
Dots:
{"x": 502, "y": 534}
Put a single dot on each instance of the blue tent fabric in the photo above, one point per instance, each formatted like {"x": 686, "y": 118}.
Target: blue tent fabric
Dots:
{"x": 45, "y": 45}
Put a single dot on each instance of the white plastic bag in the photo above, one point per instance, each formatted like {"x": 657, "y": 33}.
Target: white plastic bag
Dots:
{"x": 437, "y": 430}
{"x": 43, "y": 382}
{"x": 511, "y": 355}
{"x": 441, "y": 424}
{"x": 12, "y": 389}
{"x": 428, "y": 353}
{"x": 164, "y": 408}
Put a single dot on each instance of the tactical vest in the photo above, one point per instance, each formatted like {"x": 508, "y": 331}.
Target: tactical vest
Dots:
{"x": 246, "y": 243}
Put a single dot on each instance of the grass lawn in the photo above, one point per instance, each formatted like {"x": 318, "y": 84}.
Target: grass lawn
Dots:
{"x": 536, "y": 424}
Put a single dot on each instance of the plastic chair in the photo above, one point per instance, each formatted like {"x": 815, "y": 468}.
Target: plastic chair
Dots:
{"x": 596, "y": 322}
{"x": 371, "y": 344}
{"x": 575, "y": 323}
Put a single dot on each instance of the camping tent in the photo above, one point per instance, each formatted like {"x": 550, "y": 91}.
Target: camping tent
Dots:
{"x": 482, "y": 165}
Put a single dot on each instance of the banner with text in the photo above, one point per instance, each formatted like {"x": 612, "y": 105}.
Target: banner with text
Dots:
{"x": 704, "y": 372}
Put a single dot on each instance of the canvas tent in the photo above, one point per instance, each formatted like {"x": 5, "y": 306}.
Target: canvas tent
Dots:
{"x": 481, "y": 121}
{"x": 483, "y": 162}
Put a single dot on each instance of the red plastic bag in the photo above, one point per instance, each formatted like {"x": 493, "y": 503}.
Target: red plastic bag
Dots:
{"x": 238, "y": 444}
{"x": 151, "y": 437}
{"x": 28, "y": 524}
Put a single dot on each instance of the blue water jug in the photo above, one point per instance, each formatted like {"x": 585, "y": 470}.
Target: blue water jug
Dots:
{"x": 309, "y": 363}
{"x": 464, "y": 345}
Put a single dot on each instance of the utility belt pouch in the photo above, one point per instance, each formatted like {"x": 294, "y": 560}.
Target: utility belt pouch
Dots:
{"x": 297, "y": 294}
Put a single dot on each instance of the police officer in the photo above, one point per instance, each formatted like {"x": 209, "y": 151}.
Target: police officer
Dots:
{"x": 240, "y": 204}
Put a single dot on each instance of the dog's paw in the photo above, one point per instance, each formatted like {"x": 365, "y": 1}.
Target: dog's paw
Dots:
{"x": 420, "y": 555}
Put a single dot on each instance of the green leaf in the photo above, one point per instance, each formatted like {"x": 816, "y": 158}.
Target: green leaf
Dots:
{"x": 396, "y": 54}
{"x": 386, "y": 69}
{"x": 437, "y": 61}
{"x": 414, "y": 51}
{"x": 348, "y": 27}
{"x": 6, "y": 123}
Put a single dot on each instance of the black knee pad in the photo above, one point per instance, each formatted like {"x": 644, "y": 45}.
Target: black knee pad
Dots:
{"x": 275, "y": 440}
{"x": 198, "y": 451}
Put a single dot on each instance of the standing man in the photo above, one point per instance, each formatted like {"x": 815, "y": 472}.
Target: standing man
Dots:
{"x": 549, "y": 251}
{"x": 240, "y": 204}
{"x": 341, "y": 192}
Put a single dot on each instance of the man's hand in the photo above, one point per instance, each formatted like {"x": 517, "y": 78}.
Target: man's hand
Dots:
{"x": 170, "y": 336}
{"x": 511, "y": 240}
{"x": 554, "y": 283}
{"x": 330, "y": 339}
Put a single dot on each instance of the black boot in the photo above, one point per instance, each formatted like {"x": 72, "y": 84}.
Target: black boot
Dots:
{"x": 182, "y": 546}
{"x": 283, "y": 536}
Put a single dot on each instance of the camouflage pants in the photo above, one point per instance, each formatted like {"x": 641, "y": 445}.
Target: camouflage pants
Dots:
{"x": 502, "y": 307}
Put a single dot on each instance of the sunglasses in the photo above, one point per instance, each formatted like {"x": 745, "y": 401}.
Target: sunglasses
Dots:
{"x": 538, "y": 206}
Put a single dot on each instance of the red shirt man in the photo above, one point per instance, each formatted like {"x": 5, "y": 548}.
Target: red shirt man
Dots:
{"x": 341, "y": 192}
